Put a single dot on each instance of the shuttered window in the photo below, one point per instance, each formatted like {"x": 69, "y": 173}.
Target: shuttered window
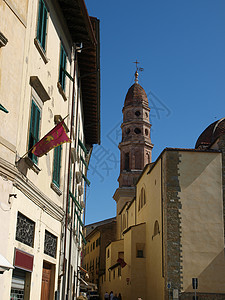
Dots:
{"x": 57, "y": 165}
{"x": 34, "y": 129}
{"x": 42, "y": 24}
{"x": 62, "y": 69}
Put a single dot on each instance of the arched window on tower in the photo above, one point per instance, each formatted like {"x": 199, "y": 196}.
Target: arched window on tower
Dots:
{"x": 127, "y": 162}
{"x": 148, "y": 157}
{"x": 137, "y": 160}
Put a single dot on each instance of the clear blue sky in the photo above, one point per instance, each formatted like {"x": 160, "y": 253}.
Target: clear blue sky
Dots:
{"x": 181, "y": 46}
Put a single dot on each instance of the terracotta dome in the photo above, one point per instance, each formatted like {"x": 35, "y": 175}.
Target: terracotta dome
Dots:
{"x": 211, "y": 133}
{"x": 135, "y": 94}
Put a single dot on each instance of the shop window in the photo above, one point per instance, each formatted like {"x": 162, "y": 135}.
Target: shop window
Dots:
{"x": 42, "y": 24}
{"x": 20, "y": 285}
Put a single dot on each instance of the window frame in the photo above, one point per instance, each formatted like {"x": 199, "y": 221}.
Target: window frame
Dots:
{"x": 42, "y": 24}
{"x": 62, "y": 65}
{"x": 57, "y": 165}
{"x": 34, "y": 128}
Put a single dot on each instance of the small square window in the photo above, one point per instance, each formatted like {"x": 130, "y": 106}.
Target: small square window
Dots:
{"x": 140, "y": 253}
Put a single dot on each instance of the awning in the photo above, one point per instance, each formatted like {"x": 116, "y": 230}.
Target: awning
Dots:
{"x": 4, "y": 264}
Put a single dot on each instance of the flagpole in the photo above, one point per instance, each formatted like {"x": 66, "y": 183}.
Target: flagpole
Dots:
{"x": 40, "y": 139}
{"x": 25, "y": 153}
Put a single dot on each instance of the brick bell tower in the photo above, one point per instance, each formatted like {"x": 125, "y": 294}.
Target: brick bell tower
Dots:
{"x": 135, "y": 147}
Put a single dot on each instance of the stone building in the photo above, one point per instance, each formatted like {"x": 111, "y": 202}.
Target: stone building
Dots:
{"x": 98, "y": 236}
{"x": 170, "y": 214}
{"x": 49, "y": 70}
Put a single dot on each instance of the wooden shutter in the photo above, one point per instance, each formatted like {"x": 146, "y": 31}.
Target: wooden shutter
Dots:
{"x": 57, "y": 165}
{"x": 34, "y": 129}
{"x": 62, "y": 75}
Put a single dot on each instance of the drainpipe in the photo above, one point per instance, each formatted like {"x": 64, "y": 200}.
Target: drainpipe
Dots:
{"x": 69, "y": 159}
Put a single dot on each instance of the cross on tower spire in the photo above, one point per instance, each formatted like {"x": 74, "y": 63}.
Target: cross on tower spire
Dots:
{"x": 136, "y": 73}
{"x": 136, "y": 62}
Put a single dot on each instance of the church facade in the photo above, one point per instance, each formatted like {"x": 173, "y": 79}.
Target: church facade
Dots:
{"x": 170, "y": 214}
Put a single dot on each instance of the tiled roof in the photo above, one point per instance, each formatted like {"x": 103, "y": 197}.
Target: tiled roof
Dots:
{"x": 135, "y": 94}
{"x": 211, "y": 133}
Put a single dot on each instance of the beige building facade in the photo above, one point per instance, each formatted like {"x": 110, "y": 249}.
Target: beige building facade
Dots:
{"x": 170, "y": 221}
{"x": 44, "y": 56}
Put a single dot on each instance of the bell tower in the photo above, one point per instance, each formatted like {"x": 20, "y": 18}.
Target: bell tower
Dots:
{"x": 135, "y": 147}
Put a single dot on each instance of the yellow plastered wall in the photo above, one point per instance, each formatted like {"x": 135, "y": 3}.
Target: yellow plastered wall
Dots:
{"x": 90, "y": 256}
{"x": 149, "y": 214}
{"x": 202, "y": 221}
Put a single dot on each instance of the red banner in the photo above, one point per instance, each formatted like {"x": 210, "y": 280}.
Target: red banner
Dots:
{"x": 56, "y": 137}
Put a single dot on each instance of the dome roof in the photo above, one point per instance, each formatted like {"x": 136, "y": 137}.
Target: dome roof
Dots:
{"x": 135, "y": 94}
{"x": 211, "y": 133}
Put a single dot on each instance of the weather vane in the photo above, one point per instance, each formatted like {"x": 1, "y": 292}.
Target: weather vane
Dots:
{"x": 137, "y": 69}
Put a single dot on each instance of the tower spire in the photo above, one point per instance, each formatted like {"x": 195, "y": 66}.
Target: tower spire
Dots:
{"x": 136, "y": 72}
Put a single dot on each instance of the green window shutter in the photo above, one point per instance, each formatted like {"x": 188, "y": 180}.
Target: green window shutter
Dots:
{"x": 57, "y": 165}
{"x": 82, "y": 146}
{"x": 34, "y": 129}
{"x": 83, "y": 161}
{"x": 75, "y": 201}
{"x": 85, "y": 179}
{"x": 3, "y": 109}
{"x": 79, "y": 218}
{"x": 42, "y": 24}
{"x": 62, "y": 73}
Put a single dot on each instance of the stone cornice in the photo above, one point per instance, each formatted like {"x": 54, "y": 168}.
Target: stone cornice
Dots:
{"x": 136, "y": 143}
{"x": 9, "y": 171}
{"x": 126, "y": 192}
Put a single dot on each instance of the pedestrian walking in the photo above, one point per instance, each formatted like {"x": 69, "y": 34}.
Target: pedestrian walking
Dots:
{"x": 119, "y": 297}
{"x": 106, "y": 296}
{"x": 115, "y": 297}
{"x": 111, "y": 295}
